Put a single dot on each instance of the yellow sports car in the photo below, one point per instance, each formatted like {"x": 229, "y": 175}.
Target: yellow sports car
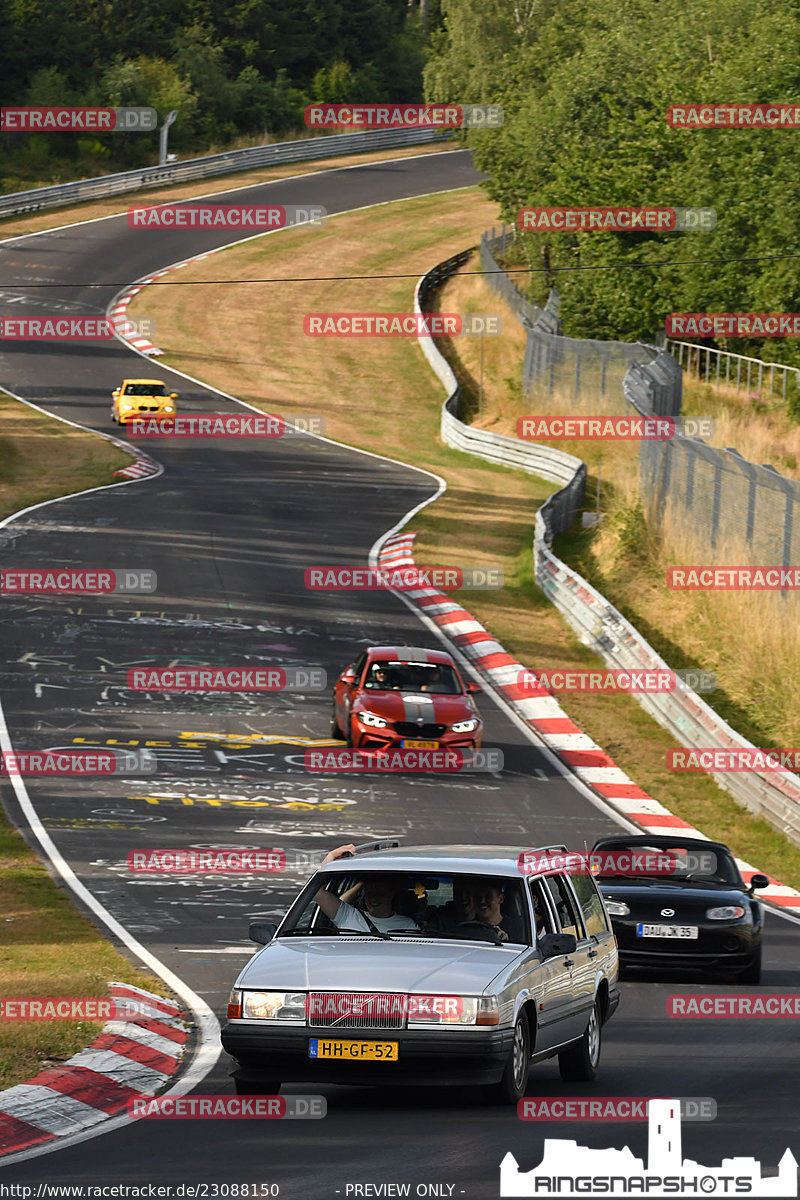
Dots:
{"x": 136, "y": 396}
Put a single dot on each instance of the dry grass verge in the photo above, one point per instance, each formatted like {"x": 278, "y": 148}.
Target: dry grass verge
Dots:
{"x": 381, "y": 395}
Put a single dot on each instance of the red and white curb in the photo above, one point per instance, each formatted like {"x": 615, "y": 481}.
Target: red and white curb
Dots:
{"x": 130, "y": 1058}
{"x": 142, "y": 464}
{"x": 118, "y": 309}
{"x": 547, "y": 719}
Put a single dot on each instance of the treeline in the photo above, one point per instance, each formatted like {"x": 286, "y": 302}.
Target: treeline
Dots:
{"x": 238, "y": 70}
{"x": 585, "y": 88}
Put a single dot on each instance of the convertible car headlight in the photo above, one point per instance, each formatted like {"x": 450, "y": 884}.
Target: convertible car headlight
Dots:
{"x": 725, "y": 912}
{"x": 371, "y": 718}
{"x": 617, "y": 908}
{"x": 464, "y": 726}
{"x": 453, "y": 1010}
{"x": 284, "y": 1007}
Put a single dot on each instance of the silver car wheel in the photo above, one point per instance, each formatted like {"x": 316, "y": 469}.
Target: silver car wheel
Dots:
{"x": 518, "y": 1055}
{"x": 593, "y": 1037}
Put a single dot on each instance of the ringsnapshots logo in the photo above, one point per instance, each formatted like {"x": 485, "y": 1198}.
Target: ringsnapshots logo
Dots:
{"x": 734, "y": 325}
{"x": 670, "y": 861}
{"x": 23, "y": 763}
{"x": 228, "y": 1108}
{"x": 616, "y": 220}
{"x": 403, "y": 116}
{"x": 401, "y": 579}
{"x": 54, "y": 581}
{"x": 74, "y": 329}
{"x": 404, "y": 759}
{"x": 609, "y": 1108}
{"x": 596, "y": 429}
{"x": 615, "y": 679}
{"x": 195, "y": 861}
{"x": 64, "y": 120}
{"x": 710, "y": 578}
{"x": 227, "y": 425}
{"x": 408, "y": 324}
{"x": 733, "y": 116}
{"x": 568, "y": 1169}
{"x": 227, "y": 679}
{"x": 246, "y": 217}
{"x": 723, "y": 760}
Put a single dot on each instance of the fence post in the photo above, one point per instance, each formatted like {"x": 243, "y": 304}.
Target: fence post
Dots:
{"x": 717, "y": 503}
{"x": 750, "y": 471}
{"x": 738, "y": 372}
{"x": 787, "y": 486}
{"x": 602, "y": 375}
{"x": 577, "y": 375}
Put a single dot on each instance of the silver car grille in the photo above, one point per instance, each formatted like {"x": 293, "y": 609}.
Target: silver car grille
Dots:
{"x": 356, "y": 1010}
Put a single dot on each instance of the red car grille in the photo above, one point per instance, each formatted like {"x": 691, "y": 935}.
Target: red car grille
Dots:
{"x": 410, "y": 729}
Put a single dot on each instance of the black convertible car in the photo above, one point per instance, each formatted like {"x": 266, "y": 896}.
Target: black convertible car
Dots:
{"x": 680, "y": 902}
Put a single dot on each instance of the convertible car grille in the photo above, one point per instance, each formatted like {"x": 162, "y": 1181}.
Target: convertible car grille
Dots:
{"x": 410, "y": 729}
{"x": 356, "y": 1010}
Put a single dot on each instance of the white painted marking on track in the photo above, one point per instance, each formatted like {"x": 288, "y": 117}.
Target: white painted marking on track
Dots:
{"x": 49, "y": 1110}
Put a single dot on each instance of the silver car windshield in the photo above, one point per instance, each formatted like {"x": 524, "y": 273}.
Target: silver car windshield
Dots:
{"x": 465, "y": 906}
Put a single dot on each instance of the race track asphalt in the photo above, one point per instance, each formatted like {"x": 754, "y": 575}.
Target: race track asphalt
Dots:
{"x": 229, "y": 527}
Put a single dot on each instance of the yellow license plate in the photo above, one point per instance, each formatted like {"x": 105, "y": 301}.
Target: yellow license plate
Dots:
{"x": 353, "y": 1051}
{"x": 412, "y": 745}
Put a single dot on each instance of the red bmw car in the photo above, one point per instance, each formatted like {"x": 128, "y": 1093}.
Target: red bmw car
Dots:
{"x": 404, "y": 696}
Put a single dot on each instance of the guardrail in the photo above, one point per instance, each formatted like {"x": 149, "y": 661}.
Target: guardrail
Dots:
{"x": 304, "y": 149}
{"x": 772, "y": 795}
{"x": 694, "y": 361}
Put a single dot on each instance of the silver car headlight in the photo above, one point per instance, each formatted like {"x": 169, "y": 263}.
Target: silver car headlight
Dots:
{"x": 464, "y": 726}
{"x": 453, "y": 1010}
{"x": 371, "y": 718}
{"x": 725, "y": 912}
{"x": 284, "y": 1008}
{"x": 617, "y": 908}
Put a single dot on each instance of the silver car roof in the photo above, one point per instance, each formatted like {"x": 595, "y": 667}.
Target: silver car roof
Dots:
{"x": 487, "y": 860}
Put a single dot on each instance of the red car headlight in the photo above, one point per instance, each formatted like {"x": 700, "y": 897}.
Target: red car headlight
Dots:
{"x": 372, "y": 719}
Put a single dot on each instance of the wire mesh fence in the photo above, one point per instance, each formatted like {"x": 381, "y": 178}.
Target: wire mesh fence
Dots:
{"x": 715, "y": 500}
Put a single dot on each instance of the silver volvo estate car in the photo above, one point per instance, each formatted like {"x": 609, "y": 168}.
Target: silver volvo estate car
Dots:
{"x": 430, "y": 964}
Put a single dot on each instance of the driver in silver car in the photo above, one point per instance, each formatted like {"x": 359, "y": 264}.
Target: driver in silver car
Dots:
{"x": 378, "y": 892}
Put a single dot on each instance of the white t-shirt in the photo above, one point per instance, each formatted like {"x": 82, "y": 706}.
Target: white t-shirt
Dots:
{"x": 348, "y": 917}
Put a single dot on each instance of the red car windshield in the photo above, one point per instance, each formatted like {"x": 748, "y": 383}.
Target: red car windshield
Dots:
{"x": 433, "y": 678}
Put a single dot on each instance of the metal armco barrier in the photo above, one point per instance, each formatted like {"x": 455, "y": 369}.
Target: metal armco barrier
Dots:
{"x": 772, "y": 795}
{"x": 216, "y": 164}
